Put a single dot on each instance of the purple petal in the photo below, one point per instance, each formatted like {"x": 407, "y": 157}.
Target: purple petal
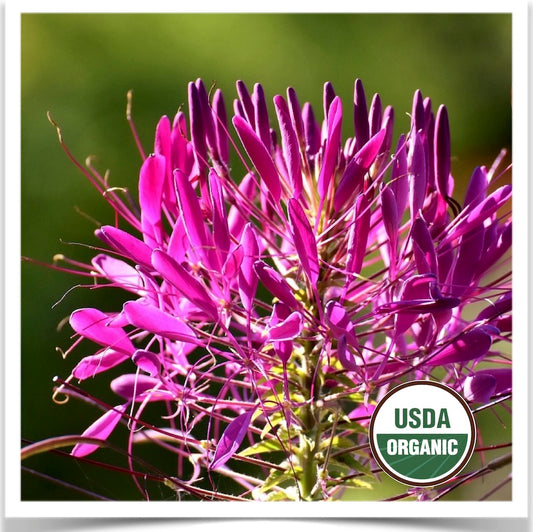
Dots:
{"x": 220, "y": 220}
{"x": 118, "y": 272}
{"x": 247, "y": 277}
{"x": 468, "y": 346}
{"x": 399, "y": 182}
{"x": 291, "y": 149}
{"x": 259, "y": 156}
{"x": 133, "y": 386}
{"x": 187, "y": 285}
{"x": 503, "y": 305}
{"x": 125, "y": 244}
{"x": 207, "y": 116}
{"x": 191, "y": 215}
{"x": 231, "y": 439}
{"x": 470, "y": 249}
{"x": 147, "y": 361}
{"x": 345, "y": 356}
{"x": 275, "y": 284}
{"x": 375, "y": 115}
{"x": 157, "y": 322}
{"x": 91, "y": 324}
{"x": 389, "y": 212}
{"x": 416, "y": 164}
{"x": 358, "y": 236}
{"x": 287, "y": 329}
{"x": 262, "y": 125}
{"x": 296, "y": 116}
{"x": 423, "y": 248}
{"x": 328, "y": 97}
{"x": 483, "y": 384}
{"x": 304, "y": 240}
{"x": 339, "y": 323}
{"x": 333, "y": 145}
{"x": 101, "y": 429}
{"x": 442, "y": 151}
{"x": 151, "y": 181}
{"x": 246, "y": 101}
{"x": 477, "y": 187}
{"x": 360, "y": 115}
{"x": 352, "y": 178}
{"x": 417, "y": 113}
{"x": 311, "y": 129}
{"x": 91, "y": 365}
{"x": 221, "y": 126}
{"x": 197, "y": 128}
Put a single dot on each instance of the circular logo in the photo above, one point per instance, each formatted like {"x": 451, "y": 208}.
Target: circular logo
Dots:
{"x": 422, "y": 433}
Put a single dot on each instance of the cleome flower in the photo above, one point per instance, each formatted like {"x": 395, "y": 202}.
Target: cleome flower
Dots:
{"x": 268, "y": 309}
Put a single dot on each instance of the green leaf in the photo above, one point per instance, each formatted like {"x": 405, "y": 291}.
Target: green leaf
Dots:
{"x": 265, "y": 446}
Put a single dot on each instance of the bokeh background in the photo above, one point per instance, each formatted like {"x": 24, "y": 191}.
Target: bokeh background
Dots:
{"x": 80, "y": 67}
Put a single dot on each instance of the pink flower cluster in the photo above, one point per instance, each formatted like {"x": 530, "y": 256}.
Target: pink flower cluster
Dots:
{"x": 282, "y": 300}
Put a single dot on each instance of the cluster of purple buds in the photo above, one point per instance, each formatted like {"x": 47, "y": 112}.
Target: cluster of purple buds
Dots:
{"x": 269, "y": 308}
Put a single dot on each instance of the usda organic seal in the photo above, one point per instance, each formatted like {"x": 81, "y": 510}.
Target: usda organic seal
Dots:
{"x": 422, "y": 433}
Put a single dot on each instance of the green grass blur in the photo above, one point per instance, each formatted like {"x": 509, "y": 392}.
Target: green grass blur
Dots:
{"x": 80, "y": 67}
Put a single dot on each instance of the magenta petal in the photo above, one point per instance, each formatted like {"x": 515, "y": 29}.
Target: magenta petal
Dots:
{"x": 275, "y": 284}
{"x": 283, "y": 350}
{"x": 100, "y": 429}
{"x": 389, "y": 213}
{"x": 358, "y": 236}
{"x": 311, "y": 129}
{"x": 483, "y": 384}
{"x": 296, "y": 115}
{"x": 187, "y": 285}
{"x": 155, "y": 321}
{"x": 477, "y": 187}
{"x": 345, "y": 356}
{"x": 291, "y": 149}
{"x": 479, "y": 387}
{"x": 151, "y": 181}
{"x": 221, "y": 126}
{"x": 360, "y": 115}
{"x": 304, "y": 240}
{"x": 468, "y": 346}
{"x": 125, "y": 244}
{"x": 501, "y": 306}
{"x": 247, "y": 277}
{"x": 220, "y": 220}
{"x": 352, "y": 178}
{"x": 262, "y": 125}
{"x": 147, "y": 361}
{"x": 399, "y": 182}
{"x": 416, "y": 164}
{"x": 287, "y": 329}
{"x": 423, "y": 247}
{"x": 118, "y": 272}
{"x": 191, "y": 213}
{"x": 442, "y": 151}
{"x": 91, "y": 365}
{"x": 91, "y": 324}
{"x": 231, "y": 439}
{"x": 259, "y": 156}
{"x": 465, "y": 268}
{"x": 133, "y": 386}
{"x": 418, "y": 114}
{"x": 333, "y": 145}
{"x": 197, "y": 128}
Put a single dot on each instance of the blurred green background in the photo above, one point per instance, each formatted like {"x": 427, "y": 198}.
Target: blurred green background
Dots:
{"x": 80, "y": 67}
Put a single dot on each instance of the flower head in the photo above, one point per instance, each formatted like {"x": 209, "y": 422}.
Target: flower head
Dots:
{"x": 276, "y": 304}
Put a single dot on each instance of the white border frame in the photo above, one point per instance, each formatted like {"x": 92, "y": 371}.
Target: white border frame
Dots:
{"x": 14, "y": 507}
